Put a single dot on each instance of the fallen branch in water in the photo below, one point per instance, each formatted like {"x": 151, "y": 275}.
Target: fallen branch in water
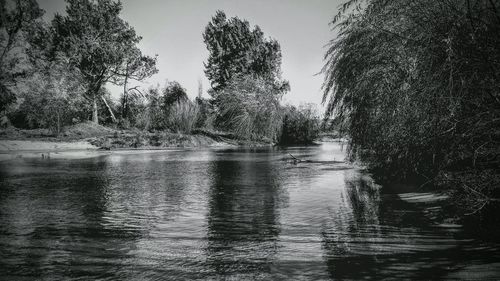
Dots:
{"x": 295, "y": 158}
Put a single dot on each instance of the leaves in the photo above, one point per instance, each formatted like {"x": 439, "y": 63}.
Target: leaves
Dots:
{"x": 249, "y": 107}
{"x": 237, "y": 49}
{"x": 415, "y": 84}
{"x": 16, "y": 20}
{"x": 101, "y": 45}
{"x": 300, "y": 125}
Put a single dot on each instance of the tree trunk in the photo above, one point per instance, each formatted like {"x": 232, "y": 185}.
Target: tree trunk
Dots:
{"x": 125, "y": 95}
{"x": 58, "y": 123}
{"x": 95, "y": 118}
{"x": 109, "y": 109}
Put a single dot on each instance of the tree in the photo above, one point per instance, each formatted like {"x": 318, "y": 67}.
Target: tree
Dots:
{"x": 135, "y": 67}
{"x": 16, "y": 17}
{"x": 236, "y": 49}
{"x": 100, "y": 45}
{"x": 173, "y": 93}
{"x": 50, "y": 97}
{"x": 415, "y": 84}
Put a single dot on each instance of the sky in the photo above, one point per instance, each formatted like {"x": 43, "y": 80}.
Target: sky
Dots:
{"x": 172, "y": 29}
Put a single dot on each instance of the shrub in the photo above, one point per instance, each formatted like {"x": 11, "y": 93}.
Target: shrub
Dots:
{"x": 51, "y": 99}
{"x": 300, "y": 125}
{"x": 206, "y": 114}
{"x": 153, "y": 115}
{"x": 173, "y": 93}
{"x": 249, "y": 107}
{"x": 182, "y": 117}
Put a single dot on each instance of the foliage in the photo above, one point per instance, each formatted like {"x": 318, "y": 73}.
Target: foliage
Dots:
{"x": 164, "y": 109}
{"x": 416, "y": 86}
{"x": 206, "y": 113}
{"x": 182, "y": 117}
{"x": 173, "y": 94}
{"x": 101, "y": 45}
{"x": 135, "y": 67}
{"x": 49, "y": 98}
{"x": 249, "y": 107}
{"x": 131, "y": 107}
{"x": 16, "y": 19}
{"x": 300, "y": 125}
{"x": 244, "y": 69}
{"x": 236, "y": 49}
{"x": 153, "y": 116}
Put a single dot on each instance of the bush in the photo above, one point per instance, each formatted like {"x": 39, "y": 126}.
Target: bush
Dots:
{"x": 206, "y": 114}
{"x": 163, "y": 109}
{"x": 249, "y": 107}
{"x": 173, "y": 93}
{"x": 153, "y": 117}
{"x": 182, "y": 117}
{"x": 51, "y": 99}
{"x": 300, "y": 125}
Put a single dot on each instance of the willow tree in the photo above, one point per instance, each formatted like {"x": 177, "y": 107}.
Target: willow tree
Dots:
{"x": 100, "y": 45}
{"x": 416, "y": 85}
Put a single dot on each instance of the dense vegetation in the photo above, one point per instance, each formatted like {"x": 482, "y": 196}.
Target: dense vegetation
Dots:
{"x": 54, "y": 74}
{"x": 300, "y": 125}
{"x": 236, "y": 50}
{"x": 244, "y": 69}
{"x": 415, "y": 85}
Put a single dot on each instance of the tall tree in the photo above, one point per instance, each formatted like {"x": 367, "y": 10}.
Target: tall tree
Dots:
{"x": 236, "y": 50}
{"x": 101, "y": 45}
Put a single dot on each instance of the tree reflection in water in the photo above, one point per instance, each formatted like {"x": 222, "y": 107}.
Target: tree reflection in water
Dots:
{"x": 243, "y": 216}
{"x": 377, "y": 235}
{"x": 54, "y": 209}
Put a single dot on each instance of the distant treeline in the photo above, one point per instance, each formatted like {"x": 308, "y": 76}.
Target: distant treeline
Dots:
{"x": 415, "y": 84}
{"x": 53, "y": 74}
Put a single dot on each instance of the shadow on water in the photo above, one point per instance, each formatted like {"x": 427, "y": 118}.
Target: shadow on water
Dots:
{"x": 377, "y": 235}
{"x": 52, "y": 216}
{"x": 243, "y": 216}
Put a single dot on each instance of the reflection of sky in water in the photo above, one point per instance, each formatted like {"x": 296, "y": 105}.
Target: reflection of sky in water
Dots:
{"x": 243, "y": 213}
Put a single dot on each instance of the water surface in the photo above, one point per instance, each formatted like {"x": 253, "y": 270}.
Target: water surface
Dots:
{"x": 223, "y": 214}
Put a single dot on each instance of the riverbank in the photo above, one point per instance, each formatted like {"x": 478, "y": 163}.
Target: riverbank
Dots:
{"x": 85, "y": 139}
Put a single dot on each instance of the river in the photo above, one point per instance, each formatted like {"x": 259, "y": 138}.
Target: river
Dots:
{"x": 226, "y": 213}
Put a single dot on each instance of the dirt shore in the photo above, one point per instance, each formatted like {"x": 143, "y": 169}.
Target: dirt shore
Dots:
{"x": 39, "y": 145}
{"x": 90, "y": 140}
